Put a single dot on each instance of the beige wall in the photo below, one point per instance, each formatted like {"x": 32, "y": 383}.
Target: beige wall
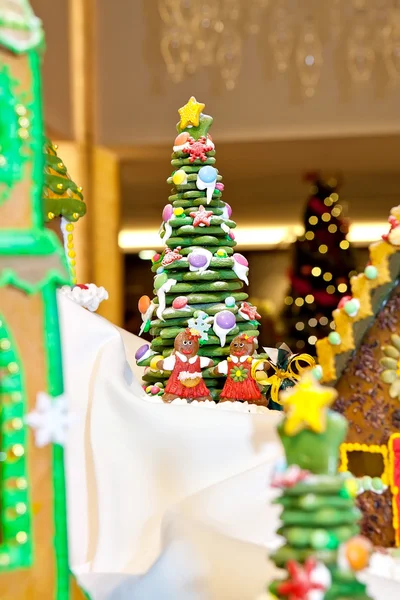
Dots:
{"x": 135, "y": 101}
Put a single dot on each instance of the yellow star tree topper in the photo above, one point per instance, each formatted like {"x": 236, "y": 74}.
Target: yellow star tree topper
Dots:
{"x": 306, "y": 405}
{"x": 190, "y": 113}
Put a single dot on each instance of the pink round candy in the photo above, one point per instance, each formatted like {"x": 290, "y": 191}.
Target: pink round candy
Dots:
{"x": 197, "y": 260}
{"x": 229, "y": 209}
{"x": 179, "y": 302}
{"x": 239, "y": 258}
{"x": 231, "y": 235}
{"x": 167, "y": 212}
{"x": 154, "y": 389}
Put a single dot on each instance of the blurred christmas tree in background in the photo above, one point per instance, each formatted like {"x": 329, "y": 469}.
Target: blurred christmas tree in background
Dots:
{"x": 322, "y": 263}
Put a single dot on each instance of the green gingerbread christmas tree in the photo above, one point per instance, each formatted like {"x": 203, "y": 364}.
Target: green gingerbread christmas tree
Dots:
{"x": 322, "y": 550}
{"x": 199, "y": 279}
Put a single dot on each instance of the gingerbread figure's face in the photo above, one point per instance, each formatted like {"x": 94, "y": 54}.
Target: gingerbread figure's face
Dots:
{"x": 242, "y": 347}
{"x": 186, "y": 344}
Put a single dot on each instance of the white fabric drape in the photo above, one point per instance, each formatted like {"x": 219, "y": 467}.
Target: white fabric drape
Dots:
{"x": 164, "y": 501}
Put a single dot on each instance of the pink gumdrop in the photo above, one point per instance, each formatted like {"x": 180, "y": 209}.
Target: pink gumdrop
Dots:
{"x": 231, "y": 235}
{"x": 220, "y": 186}
{"x": 344, "y": 301}
{"x": 179, "y": 302}
{"x": 154, "y": 390}
{"x": 239, "y": 258}
{"x": 229, "y": 209}
{"x": 167, "y": 212}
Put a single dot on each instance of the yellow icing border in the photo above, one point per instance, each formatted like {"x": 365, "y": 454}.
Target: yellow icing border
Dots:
{"x": 361, "y": 288}
{"x": 387, "y": 475}
{"x": 347, "y": 447}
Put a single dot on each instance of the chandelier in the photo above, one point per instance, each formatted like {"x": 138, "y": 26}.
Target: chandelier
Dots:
{"x": 363, "y": 35}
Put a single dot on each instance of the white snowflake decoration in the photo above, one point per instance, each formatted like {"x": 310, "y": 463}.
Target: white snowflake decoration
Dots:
{"x": 50, "y": 420}
{"x": 201, "y": 323}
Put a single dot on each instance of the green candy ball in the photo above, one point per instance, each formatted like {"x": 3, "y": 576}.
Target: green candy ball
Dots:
{"x": 377, "y": 484}
{"x": 334, "y": 338}
{"x": 366, "y": 483}
{"x": 160, "y": 280}
{"x": 319, "y": 539}
{"x": 308, "y": 501}
{"x": 371, "y": 272}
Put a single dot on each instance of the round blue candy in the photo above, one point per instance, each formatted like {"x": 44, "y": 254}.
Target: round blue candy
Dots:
{"x": 160, "y": 270}
{"x": 207, "y": 174}
{"x": 230, "y": 301}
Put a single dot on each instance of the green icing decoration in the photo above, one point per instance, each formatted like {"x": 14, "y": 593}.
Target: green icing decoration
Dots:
{"x": 15, "y": 131}
{"x": 15, "y": 499}
{"x": 61, "y": 196}
{"x": 205, "y": 123}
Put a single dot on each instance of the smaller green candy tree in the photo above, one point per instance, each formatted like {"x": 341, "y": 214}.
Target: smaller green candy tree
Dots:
{"x": 322, "y": 549}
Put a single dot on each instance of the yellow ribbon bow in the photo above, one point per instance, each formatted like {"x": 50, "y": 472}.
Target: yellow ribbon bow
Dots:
{"x": 275, "y": 380}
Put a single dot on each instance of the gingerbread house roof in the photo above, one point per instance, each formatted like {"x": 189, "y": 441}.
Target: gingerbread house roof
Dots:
{"x": 20, "y": 29}
{"x": 356, "y": 314}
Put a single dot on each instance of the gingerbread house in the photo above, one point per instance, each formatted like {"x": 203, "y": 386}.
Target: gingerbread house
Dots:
{"x": 33, "y": 415}
{"x": 361, "y": 357}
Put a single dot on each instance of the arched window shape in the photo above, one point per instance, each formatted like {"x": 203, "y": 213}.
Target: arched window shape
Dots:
{"x": 15, "y": 123}
{"x": 15, "y": 512}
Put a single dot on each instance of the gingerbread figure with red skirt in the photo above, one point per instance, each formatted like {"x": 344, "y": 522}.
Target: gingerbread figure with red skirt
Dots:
{"x": 186, "y": 380}
{"x": 240, "y": 385}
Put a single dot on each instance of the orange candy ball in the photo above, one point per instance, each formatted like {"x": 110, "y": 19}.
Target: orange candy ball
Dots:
{"x": 358, "y": 552}
{"x": 143, "y": 304}
{"x": 181, "y": 139}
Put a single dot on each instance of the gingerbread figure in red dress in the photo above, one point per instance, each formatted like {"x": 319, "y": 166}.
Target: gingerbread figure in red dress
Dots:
{"x": 240, "y": 385}
{"x": 186, "y": 380}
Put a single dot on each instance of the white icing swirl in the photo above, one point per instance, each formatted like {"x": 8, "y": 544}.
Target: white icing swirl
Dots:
{"x": 89, "y": 298}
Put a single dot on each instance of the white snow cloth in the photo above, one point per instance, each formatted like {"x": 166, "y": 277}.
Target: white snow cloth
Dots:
{"x": 164, "y": 501}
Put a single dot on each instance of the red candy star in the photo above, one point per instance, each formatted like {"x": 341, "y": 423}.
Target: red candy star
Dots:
{"x": 197, "y": 149}
{"x": 202, "y": 217}
{"x": 170, "y": 256}
{"x": 299, "y": 584}
{"x": 249, "y": 311}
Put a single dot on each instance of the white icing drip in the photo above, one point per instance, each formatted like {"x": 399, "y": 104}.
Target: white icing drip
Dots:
{"x": 210, "y": 187}
{"x": 221, "y": 333}
{"x": 146, "y": 316}
{"x": 168, "y": 231}
{"x": 241, "y": 271}
{"x": 225, "y": 228}
{"x": 205, "y": 253}
{"x": 164, "y": 289}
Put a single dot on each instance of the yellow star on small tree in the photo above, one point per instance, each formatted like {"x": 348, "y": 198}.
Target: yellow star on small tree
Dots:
{"x": 306, "y": 405}
{"x": 190, "y": 113}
